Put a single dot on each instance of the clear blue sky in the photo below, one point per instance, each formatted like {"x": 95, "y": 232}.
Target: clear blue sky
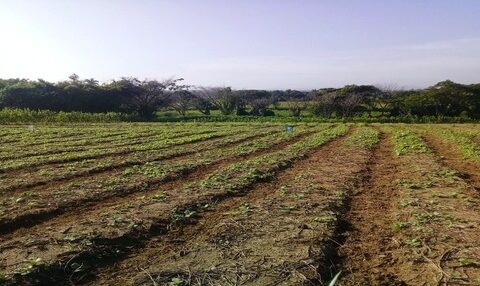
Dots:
{"x": 244, "y": 43}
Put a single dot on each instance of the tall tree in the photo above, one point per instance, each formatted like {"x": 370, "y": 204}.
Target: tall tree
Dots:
{"x": 222, "y": 98}
{"x": 147, "y": 96}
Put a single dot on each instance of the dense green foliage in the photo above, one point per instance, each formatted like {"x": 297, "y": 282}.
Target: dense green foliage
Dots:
{"x": 364, "y": 137}
{"x": 408, "y": 141}
{"x": 130, "y": 99}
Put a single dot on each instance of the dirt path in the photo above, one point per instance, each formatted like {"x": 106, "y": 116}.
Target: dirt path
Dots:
{"x": 365, "y": 251}
{"x": 273, "y": 235}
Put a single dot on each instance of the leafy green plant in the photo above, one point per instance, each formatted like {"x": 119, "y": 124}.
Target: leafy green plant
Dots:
{"x": 179, "y": 215}
{"x": 468, "y": 262}
{"x": 409, "y": 202}
{"x": 399, "y": 225}
{"x": 176, "y": 281}
{"x": 243, "y": 209}
{"x": 364, "y": 137}
{"x": 407, "y": 141}
{"x": 161, "y": 196}
{"x": 426, "y": 217}
{"x": 327, "y": 219}
{"x": 414, "y": 242}
{"x": 462, "y": 140}
{"x": 31, "y": 262}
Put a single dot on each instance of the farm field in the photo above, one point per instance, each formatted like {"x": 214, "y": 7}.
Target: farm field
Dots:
{"x": 240, "y": 204}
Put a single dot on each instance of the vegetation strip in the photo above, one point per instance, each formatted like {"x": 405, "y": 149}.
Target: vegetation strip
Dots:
{"x": 66, "y": 171}
{"x": 468, "y": 169}
{"x": 463, "y": 140}
{"x": 174, "y": 139}
{"x": 35, "y": 207}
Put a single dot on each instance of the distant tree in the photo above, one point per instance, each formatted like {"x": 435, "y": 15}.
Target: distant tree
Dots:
{"x": 258, "y": 100}
{"x": 296, "y": 102}
{"x": 260, "y": 106}
{"x": 450, "y": 98}
{"x": 28, "y": 94}
{"x": 323, "y": 103}
{"x": 357, "y": 97}
{"x": 295, "y": 107}
{"x": 348, "y": 102}
{"x": 181, "y": 100}
{"x": 223, "y": 99}
{"x": 147, "y": 96}
{"x": 383, "y": 100}
{"x": 201, "y": 100}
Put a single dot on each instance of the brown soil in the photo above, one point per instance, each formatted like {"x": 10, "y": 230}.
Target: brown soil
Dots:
{"x": 368, "y": 235}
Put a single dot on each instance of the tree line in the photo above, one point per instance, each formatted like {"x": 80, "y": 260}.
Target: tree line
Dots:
{"x": 144, "y": 98}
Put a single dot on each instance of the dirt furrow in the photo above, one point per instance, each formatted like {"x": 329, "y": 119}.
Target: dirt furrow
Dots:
{"x": 367, "y": 235}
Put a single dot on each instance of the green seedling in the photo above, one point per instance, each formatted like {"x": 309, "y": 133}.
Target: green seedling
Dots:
{"x": 423, "y": 218}
{"x": 180, "y": 216}
{"x": 467, "y": 262}
{"x": 32, "y": 263}
{"x": 160, "y": 196}
{"x": 399, "y": 225}
{"x": 288, "y": 209}
{"x": 326, "y": 219}
{"x": 446, "y": 196}
{"x": 176, "y": 281}
{"x": 243, "y": 209}
{"x": 409, "y": 202}
{"x": 414, "y": 242}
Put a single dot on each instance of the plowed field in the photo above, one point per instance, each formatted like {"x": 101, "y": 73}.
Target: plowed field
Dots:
{"x": 240, "y": 204}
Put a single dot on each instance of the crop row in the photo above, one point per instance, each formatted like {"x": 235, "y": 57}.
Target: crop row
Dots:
{"x": 100, "y": 138}
{"x": 45, "y": 135}
{"x": 364, "y": 137}
{"x": 407, "y": 141}
{"x": 62, "y": 171}
{"x": 172, "y": 140}
{"x": 123, "y": 181}
{"x": 91, "y": 141}
{"x": 463, "y": 141}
